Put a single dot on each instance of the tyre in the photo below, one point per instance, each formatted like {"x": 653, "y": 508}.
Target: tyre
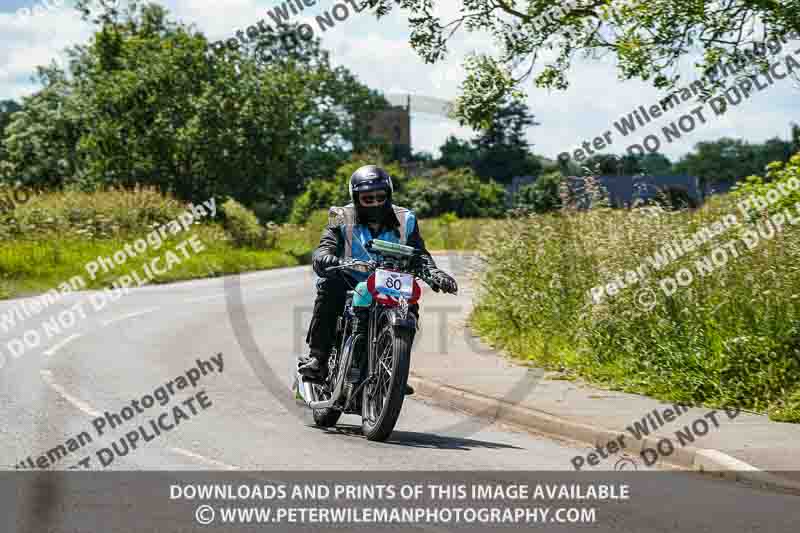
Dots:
{"x": 383, "y": 400}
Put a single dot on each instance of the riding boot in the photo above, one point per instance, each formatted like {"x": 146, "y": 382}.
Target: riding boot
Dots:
{"x": 314, "y": 366}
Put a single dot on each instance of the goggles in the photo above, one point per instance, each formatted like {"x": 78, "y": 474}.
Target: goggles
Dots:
{"x": 372, "y": 198}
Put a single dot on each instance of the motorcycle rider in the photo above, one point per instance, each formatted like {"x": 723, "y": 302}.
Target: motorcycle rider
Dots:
{"x": 371, "y": 215}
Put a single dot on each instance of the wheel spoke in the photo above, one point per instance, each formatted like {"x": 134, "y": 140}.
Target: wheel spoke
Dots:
{"x": 378, "y": 392}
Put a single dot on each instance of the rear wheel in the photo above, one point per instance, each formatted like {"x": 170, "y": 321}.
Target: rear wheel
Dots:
{"x": 383, "y": 399}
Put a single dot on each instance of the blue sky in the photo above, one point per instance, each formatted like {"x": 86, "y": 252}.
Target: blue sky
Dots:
{"x": 379, "y": 54}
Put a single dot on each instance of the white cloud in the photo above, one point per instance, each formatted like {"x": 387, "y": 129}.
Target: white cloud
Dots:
{"x": 379, "y": 54}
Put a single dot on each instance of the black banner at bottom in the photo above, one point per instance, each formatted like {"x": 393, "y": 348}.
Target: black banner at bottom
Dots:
{"x": 192, "y": 501}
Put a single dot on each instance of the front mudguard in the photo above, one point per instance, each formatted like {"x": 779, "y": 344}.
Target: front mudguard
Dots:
{"x": 397, "y": 321}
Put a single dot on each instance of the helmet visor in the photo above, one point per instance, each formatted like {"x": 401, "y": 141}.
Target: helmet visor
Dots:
{"x": 372, "y": 198}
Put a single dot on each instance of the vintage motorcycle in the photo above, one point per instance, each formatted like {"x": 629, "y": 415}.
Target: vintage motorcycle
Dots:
{"x": 368, "y": 366}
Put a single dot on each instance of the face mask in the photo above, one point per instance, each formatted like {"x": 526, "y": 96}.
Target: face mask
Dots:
{"x": 371, "y": 214}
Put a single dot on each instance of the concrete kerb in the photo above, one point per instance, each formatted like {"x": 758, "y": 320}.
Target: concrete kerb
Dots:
{"x": 706, "y": 461}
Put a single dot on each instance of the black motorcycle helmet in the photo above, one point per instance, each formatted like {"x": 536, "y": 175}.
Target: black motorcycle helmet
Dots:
{"x": 371, "y": 178}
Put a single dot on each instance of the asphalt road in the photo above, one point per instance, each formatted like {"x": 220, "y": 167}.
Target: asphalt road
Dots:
{"x": 244, "y": 417}
{"x": 136, "y": 344}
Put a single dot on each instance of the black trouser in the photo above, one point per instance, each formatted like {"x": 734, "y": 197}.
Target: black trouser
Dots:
{"x": 328, "y": 306}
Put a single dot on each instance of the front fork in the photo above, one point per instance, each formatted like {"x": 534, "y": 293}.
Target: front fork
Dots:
{"x": 399, "y": 317}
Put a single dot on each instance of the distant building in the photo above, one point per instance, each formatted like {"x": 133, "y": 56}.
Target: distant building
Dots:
{"x": 625, "y": 191}
{"x": 393, "y": 125}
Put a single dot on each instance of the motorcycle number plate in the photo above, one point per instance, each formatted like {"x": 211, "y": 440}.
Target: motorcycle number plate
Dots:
{"x": 394, "y": 283}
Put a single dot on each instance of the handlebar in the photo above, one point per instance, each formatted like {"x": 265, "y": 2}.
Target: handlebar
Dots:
{"x": 423, "y": 273}
{"x": 416, "y": 264}
{"x": 349, "y": 264}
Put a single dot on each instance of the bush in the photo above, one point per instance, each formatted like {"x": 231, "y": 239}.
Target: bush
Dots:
{"x": 730, "y": 337}
{"x": 319, "y": 194}
{"x": 275, "y": 209}
{"x": 460, "y": 192}
{"x": 540, "y": 196}
{"x": 243, "y": 227}
{"x": 777, "y": 178}
{"x": 322, "y": 194}
{"x": 100, "y": 214}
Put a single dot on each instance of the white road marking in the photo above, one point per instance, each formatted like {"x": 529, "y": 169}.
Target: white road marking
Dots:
{"x": 47, "y": 377}
{"x": 50, "y": 351}
{"x": 130, "y": 315}
{"x": 203, "y": 459}
{"x": 204, "y": 298}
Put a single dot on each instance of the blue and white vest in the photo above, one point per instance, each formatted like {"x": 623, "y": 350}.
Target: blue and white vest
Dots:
{"x": 356, "y": 236}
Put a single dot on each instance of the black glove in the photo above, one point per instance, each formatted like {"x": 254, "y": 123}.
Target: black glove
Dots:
{"x": 322, "y": 262}
{"x": 443, "y": 280}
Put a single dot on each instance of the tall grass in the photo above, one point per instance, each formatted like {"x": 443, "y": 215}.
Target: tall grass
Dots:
{"x": 731, "y": 336}
{"x": 52, "y": 237}
{"x": 95, "y": 215}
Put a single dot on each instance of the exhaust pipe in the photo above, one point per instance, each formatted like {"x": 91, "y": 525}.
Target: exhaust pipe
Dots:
{"x": 337, "y": 392}
{"x": 308, "y": 391}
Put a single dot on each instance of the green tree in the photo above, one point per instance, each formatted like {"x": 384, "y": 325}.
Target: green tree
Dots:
{"x": 146, "y": 101}
{"x": 457, "y": 153}
{"x": 730, "y": 159}
{"x": 656, "y": 164}
{"x": 502, "y": 149}
{"x": 453, "y": 191}
{"x": 651, "y": 39}
{"x": 605, "y": 165}
{"x": 422, "y": 157}
{"x": 540, "y": 196}
{"x": 334, "y": 190}
{"x": 7, "y": 110}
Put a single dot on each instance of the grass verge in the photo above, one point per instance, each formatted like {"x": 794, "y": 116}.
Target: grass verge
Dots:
{"x": 53, "y": 238}
{"x": 729, "y": 336}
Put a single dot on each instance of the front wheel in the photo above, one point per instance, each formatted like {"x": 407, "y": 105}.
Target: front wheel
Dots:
{"x": 383, "y": 399}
